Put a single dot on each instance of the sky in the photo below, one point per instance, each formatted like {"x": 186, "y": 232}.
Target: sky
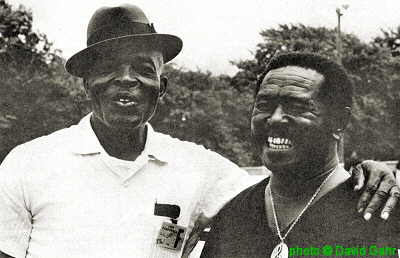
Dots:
{"x": 214, "y": 32}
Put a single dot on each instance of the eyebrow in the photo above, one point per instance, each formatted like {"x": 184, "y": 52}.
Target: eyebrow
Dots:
{"x": 156, "y": 62}
{"x": 286, "y": 97}
{"x": 298, "y": 99}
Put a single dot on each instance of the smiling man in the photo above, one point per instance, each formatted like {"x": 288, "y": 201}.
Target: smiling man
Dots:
{"x": 111, "y": 186}
{"x": 303, "y": 104}
{"x": 125, "y": 86}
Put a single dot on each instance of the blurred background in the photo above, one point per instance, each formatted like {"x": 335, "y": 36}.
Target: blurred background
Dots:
{"x": 211, "y": 83}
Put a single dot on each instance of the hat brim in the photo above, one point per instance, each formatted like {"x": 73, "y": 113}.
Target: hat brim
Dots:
{"x": 169, "y": 45}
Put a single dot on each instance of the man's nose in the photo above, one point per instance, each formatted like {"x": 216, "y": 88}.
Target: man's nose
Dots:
{"x": 278, "y": 115}
{"x": 127, "y": 77}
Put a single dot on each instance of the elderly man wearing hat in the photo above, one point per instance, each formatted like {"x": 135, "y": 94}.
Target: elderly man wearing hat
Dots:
{"x": 111, "y": 186}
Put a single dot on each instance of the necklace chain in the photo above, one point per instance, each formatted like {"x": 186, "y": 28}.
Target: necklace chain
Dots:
{"x": 301, "y": 213}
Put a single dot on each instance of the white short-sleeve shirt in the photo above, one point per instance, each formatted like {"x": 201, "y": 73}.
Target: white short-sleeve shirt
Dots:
{"x": 61, "y": 195}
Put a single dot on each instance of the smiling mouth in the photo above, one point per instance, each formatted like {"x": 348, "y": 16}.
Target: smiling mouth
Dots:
{"x": 125, "y": 100}
{"x": 279, "y": 143}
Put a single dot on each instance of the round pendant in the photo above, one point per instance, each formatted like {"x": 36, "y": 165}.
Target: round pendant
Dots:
{"x": 280, "y": 251}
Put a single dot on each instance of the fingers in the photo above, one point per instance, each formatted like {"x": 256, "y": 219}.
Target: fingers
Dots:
{"x": 372, "y": 184}
{"x": 393, "y": 199}
{"x": 381, "y": 185}
{"x": 388, "y": 184}
{"x": 390, "y": 203}
{"x": 365, "y": 198}
{"x": 191, "y": 243}
{"x": 358, "y": 177}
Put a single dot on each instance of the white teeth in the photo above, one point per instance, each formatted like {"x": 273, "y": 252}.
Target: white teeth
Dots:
{"x": 279, "y": 143}
{"x": 275, "y": 146}
{"x": 125, "y": 103}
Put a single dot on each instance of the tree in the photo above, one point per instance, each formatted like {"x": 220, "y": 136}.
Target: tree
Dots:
{"x": 207, "y": 110}
{"x": 38, "y": 96}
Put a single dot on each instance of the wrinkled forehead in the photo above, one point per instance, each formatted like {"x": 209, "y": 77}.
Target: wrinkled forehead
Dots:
{"x": 291, "y": 80}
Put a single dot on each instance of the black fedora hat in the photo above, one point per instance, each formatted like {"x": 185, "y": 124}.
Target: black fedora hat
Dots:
{"x": 123, "y": 25}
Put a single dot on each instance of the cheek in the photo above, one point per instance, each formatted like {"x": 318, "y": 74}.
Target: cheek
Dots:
{"x": 99, "y": 103}
{"x": 258, "y": 132}
{"x": 314, "y": 139}
{"x": 254, "y": 126}
{"x": 151, "y": 94}
{"x": 99, "y": 82}
{"x": 258, "y": 121}
{"x": 96, "y": 90}
{"x": 96, "y": 97}
{"x": 309, "y": 127}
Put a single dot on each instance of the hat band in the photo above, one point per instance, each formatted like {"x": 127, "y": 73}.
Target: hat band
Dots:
{"x": 127, "y": 29}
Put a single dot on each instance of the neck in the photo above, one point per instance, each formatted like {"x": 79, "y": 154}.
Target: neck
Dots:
{"x": 121, "y": 144}
{"x": 301, "y": 182}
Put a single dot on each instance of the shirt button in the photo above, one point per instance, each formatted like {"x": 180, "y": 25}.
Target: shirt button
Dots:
{"x": 126, "y": 184}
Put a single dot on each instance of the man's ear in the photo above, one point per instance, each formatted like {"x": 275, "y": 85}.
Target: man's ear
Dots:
{"x": 340, "y": 122}
{"x": 163, "y": 86}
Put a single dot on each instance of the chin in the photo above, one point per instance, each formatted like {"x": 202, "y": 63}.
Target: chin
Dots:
{"x": 283, "y": 160}
{"x": 125, "y": 123}
{"x": 278, "y": 156}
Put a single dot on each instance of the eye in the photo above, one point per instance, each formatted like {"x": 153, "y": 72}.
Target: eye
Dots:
{"x": 296, "y": 106}
{"x": 262, "y": 105}
{"x": 146, "y": 70}
{"x": 265, "y": 105}
{"x": 299, "y": 109}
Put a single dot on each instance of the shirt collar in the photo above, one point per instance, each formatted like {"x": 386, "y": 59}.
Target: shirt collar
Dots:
{"x": 155, "y": 145}
{"x": 86, "y": 141}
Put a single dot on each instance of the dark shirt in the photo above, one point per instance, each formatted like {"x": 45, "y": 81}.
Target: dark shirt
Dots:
{"x": 241, "y": 228}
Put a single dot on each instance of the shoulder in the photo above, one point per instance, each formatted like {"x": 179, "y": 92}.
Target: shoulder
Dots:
{"x": 58, "y": 140}
{"x": 336, "y": 219}
{"x": 240, "y": 229}
{"x": 37, "y": 152}
{"x": 174, "y": 144}
{"x": 175, "y": 148}
{"x": 247, "y": 203}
